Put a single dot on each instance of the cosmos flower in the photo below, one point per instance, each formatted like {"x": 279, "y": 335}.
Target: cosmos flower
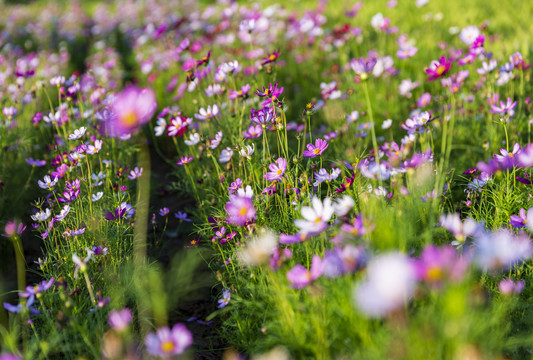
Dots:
{"x": 225, "y": 155}
{"x": 264, "y": 116}
{"x": 317, "y": 149}
{"x": 277, "y": 170}
{"x": 501, "y": 249}
{"x": 41, "y": 215}
{"x": 240, "y": 210}
{"x": 440, "y": 264}
{"x": 194, "y": 138}
{"x": 522, "y": 219}
{"x": 135, "y": 173}
{"x": 78, "y": 133}
{"x": 131, "y": 108}
{"x": 323, "y": 176}
{"x": 259, "y": 249}
{"x": 37, "y": 289}
{"x": 510, "y": 287}
{"x": 184, "y": 160}
{"x": 438, "y": 68}
{"x": 168, "y": 342}
{"x": 390, "y": 281}
{"x": 119, "y": 320}
{"x": 247, "y": 151}
{"x": 226, "y": 297}
{"x": 94, "y": 149}
{"x": 20, "y": 308}
{"x": 205, "y": 114}
{"x": 505, "y": 109}
{"x": 315, "y": 216}
{"x": 300, "y": 277}
{"x": 48, "y": 183}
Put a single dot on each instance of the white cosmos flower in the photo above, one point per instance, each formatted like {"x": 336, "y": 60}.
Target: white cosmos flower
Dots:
{"x": 64, "y": 212}
{"x": 225, "y": 155}
{"x": 97, "y": 196}
{"x": 41, "y": 215}
{"x": 93, "y": 149}
{"x": 315, "y": 217}
{"x": 247, "y": 151}
{"x": 343, "y": 205}
{"x": 161, "y": 126}
{"x": 78, "y": 133}
{"x": 48, "y": 183}
{"x": 194, "y": 139}
{"x": 259, "y": 249}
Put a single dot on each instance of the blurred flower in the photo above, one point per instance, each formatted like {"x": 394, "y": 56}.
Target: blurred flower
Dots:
{"x": 119, "y": 319}
{"x": 509, "y": 286}
{"x": 226, "y": 297}
{"x": 240, "y": 210}
{"x": 12, "y": 229}
{"x": 522, "y": 219}
{"x": 438, "y": 68}
{"x": 78, "y": 133}
{"x": 453, "y": 223}
{"x": 439, "y": 264}
{"x": 501, "y": 249}
{"x": 135, "y": 173}
{"x": 205, "y": 114}
{"x": 21, "y": 308}
{"x": 37, "y": 289}
{"x": 132, "y": 108}
{"x": 390, "y": 281}
{"x": 168, "y": 342}
{"x": 181, "y": 216}
{"x": 259, "y": 249}
{"x": 300, "y": 277}
{"x": 315, "y": 217}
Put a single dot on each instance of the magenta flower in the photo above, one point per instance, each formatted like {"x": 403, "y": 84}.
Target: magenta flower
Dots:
{"x": 253, "y": 132}
{"x": 12, "y": 229}
{"x": 271, "y": 93}
{"x": 423, "y": 100}
{"x": 233, "y": 94}
{"x": 132, "y": 108}
{"x": 235, "y": 186}
{"x": 317, "y": 149}
{"x": 438, "y": 68}
{"x": 277, "y": 170}
{"x": 363, "y": 67}
{"x": 240, "y": 210}
{"x": 184, "y": 160}
{"x": 264, "y": 116}
{"x": 300, "y": 277}
{"x": 271, "y": 58}
{"x": 168, "y": 342}
{"x": 36, "y": 163}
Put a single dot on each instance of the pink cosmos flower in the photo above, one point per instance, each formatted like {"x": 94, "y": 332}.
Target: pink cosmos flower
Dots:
{"x": 277, "y": 170}
{"x": 300, "y": 277}
{"x": 184, "y": 160}
{"x": 132, "y": 108}
{"x": 438, "y": 68}
{"x": 168, "y": 342}
{"x": 317, "y": 149}
{"x": 240, "y": 210}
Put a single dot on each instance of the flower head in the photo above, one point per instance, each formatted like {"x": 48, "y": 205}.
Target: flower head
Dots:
{"x": 168, "y": 342}
{"x": 132, "y": 108}
{"x": 317, "y": 149}
{"x": 277, "y": 169}
{"x": 240, "y": 210}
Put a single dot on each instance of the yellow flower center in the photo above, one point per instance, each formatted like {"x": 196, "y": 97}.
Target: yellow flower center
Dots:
{"x": 243, "y": 211}
{"x": 168, "y": 346}
{"x": 317, "y": 220}
{"x": 434, "y": 273}
{"x": 441, "y": 69}
{"x": 316, "y": 151}
{"x": 279, "y": 171}
{"x": 129, "y": 118}
{"x": 272, "y": 57}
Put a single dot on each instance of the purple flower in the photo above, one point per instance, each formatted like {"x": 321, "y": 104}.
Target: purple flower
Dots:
{"x": 168, "y": 342}
{"x": 277, "y": 170}
{"x": 271, "y": 93}
{"x": 317, "y": 149}
{"x": 253, "y": 132}
{"x": 164, "y": 211}
{"x": 233, "y": 94}
{"x": 119, "y": 320}
{"x": 240, "y": 210}
{"x": 286, "y": 239}
{"x": 235, "y": 186}
{"x": 363, "y": 67}
{"x": 36, "y": 163}
{"x": 264, "y": 116}
{"x": 8, "y": 356}
{"x": 423, "y": 100}
{"x": 39, "y": 288}
{"x": 12, "y": 229}
{"x": 124, "y": 211}
{"x": 135, "y": 173}
{"x": 19, "y": 308}
{"x": 184, "y": 160}
{"x": 300, "y": 277}
{"x": 522, "y": 219}
{"x": 48, "y": 183}
{"x": 182, "y": 216}
{"x": 505, "y": 109}
{"x": 440, "y": 264}
{"x": 132, "y": 108}
{"x": 460, "y": 230}
{"x": 226, "y": 296}
{"x": 509, "y": 287}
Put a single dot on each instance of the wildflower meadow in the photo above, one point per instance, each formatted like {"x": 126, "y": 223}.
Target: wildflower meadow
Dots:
{"x": 314, "y": 179}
